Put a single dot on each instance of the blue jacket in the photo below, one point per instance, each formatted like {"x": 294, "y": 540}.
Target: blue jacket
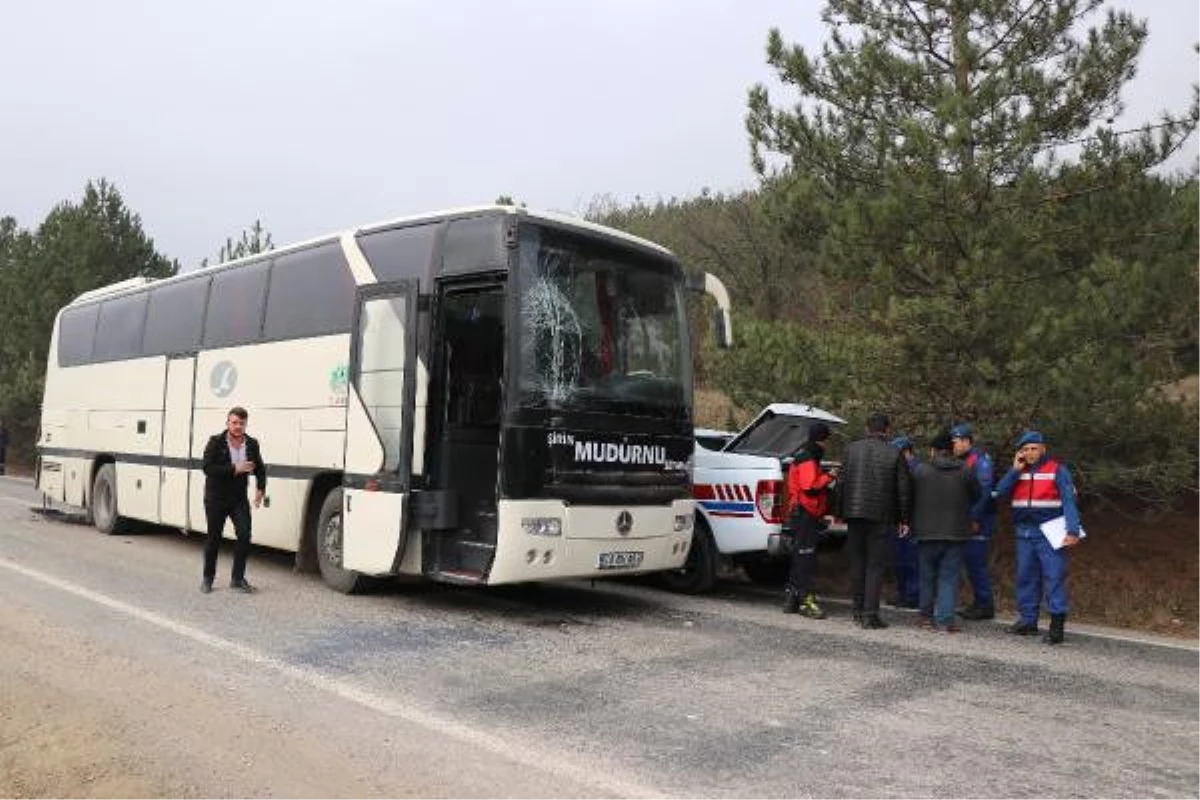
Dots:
{"x": 984, "y": 509}
{"x": 1027, "y": 520}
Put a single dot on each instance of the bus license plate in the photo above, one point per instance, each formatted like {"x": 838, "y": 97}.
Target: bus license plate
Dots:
{"x": 620, "y": 559}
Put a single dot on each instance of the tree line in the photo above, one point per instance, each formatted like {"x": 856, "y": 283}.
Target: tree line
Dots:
{"x": 80, "y": 245}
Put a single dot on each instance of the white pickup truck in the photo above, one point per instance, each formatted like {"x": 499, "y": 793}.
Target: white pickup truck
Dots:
{"x": 738, "y": 482}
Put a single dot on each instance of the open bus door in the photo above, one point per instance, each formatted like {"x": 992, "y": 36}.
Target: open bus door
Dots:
{"x": 379, "y": 426}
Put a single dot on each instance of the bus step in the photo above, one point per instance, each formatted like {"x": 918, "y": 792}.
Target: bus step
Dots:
{"x": 462, "y": 577}
{"x": 475, "y": 545}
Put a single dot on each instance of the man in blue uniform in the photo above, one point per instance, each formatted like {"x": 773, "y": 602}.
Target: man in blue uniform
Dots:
{"x": 904, "y": 548}
{"x": 1041, "y": 491}
{"x": 983, "y": 523}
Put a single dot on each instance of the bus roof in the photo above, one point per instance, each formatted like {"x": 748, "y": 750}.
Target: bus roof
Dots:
{"x": 564, "y": 220}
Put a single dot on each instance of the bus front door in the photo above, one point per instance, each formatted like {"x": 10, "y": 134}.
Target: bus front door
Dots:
{"x": 379, "y": 428}
{"x": 176, "y": 453}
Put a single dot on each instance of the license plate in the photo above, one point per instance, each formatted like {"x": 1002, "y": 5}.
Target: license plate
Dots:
{"x": 620, "y": 559}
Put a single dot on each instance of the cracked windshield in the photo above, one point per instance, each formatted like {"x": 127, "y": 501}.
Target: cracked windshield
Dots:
{"x": 601, "y": 330}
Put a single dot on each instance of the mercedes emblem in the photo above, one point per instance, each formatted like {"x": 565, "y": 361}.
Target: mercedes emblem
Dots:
{"x": 624, "y": 523}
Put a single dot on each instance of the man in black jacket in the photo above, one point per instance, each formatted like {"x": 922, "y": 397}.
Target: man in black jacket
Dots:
{"x": 944, "y": 489}
{"x": 229, "y": 458}
{"x": 876, "y": 496}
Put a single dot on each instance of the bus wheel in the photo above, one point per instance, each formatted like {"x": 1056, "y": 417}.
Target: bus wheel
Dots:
{"x": 104, "y": 501}
{"x": 699, "y": 572}
{"x": 329, "y": 548}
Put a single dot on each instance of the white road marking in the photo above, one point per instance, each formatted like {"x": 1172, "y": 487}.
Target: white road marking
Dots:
{"x": 382, "y": 704}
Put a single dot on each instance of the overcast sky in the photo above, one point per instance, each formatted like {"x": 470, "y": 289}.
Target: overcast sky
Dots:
{"x": 314, "y": 116}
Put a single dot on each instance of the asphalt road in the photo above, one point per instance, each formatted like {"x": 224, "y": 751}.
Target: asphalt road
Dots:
{"x": 119, "y": 677}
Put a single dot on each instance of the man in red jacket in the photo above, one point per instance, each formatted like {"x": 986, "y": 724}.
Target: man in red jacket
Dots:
{"x": 808, "y": 487}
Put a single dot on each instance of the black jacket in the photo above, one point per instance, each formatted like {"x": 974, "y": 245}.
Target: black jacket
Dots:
{"x": 221, "y": 486}
{"x": 944, "y": 490}
{"x": 875, "y": 483}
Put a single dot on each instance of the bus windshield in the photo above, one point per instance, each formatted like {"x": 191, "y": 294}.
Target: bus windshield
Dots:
{"x": 602, "y": 328}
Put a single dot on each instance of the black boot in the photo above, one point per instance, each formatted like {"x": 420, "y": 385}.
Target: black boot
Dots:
{"x": 791, "y": 602}
{"x": 1056, "y": 633}
{"x": 1023, "y": 628}
{"x": 978, "y": 612}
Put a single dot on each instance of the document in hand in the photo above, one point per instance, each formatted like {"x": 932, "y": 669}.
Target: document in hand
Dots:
{"x": 1055, "y": 531}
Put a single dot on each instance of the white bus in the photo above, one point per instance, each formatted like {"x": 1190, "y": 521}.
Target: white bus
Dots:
{"x": 483, "y": 396}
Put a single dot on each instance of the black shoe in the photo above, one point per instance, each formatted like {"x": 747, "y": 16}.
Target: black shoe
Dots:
{"x": 856, "y": 616}
{"x": 242, "y": 586}
{"x": 791, "y": 604}
{"x": 1057, "y": 631}
{"x": 872, "y": 622}
{"x": 977, "y": 612}
{"x": 206, "y": 586}
{"x": 1023, "y": 628}
{"x": 896, "y": 602}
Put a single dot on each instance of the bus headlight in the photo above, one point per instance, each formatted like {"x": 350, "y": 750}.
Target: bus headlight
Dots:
{"x": 683, "y": 522}
{"x": 542, "y": 526}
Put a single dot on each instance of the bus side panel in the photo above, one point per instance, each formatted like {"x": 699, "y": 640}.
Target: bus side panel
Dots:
{"x": 137, "y": 490}
{"x": 295, "y": 393}
{"x": 77, "y": 473}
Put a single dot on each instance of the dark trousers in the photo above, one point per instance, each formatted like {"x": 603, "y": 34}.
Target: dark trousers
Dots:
{"x": 908, "y": 583}
{"x": 868, "y": 544}
{"x": 940, "y": 565}
{"x": 803, "y": 575}
{"x": 217, "y": 514}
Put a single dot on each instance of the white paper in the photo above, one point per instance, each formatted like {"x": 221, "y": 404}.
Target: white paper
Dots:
{"x": 1055, "y": 531}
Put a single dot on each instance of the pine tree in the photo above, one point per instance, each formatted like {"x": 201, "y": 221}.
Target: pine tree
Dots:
{"x": 968, "y": 149}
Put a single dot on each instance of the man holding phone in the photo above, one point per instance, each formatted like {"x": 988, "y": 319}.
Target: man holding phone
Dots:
{"x": 229, "y": 458}
{"x": 1041, "y": 490}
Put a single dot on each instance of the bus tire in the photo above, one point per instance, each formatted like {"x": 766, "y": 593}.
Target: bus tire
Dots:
{"x": 103, "y": 507}
{"x": 328, "y": 541}
{"x": 699, "y": 572}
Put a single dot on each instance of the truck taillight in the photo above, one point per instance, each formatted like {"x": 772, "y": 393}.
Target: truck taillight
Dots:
{"x": 768, "y": 496}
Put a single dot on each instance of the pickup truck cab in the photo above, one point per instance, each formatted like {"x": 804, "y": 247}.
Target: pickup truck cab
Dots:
{"x": 738, "y": 480}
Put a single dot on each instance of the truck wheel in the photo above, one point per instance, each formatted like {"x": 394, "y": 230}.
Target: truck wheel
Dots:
{"x": 699, "y": 572}
{"x": 329, "y": 548}
{"x": 103, "y": 505}
{"x": 766, "y": 571}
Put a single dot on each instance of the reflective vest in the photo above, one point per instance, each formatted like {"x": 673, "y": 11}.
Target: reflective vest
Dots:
{"x": 1036, "y": 488}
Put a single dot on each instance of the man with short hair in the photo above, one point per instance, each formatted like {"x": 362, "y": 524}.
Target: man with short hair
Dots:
{"x": 876, "y": 496}
{"x": 944, "y": 490}
{"x": 983, "y": 523}
{"x": 229, "y": 458}
{"x": 1041, "y": 491}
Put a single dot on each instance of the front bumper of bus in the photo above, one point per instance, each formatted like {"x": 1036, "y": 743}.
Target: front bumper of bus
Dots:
{"x": 547, "y": 539}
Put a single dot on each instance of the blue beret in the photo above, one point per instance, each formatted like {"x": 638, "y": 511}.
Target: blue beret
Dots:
{"x": 902, "y": 443}
{"x": 1030, "y": 437}
{"x": 961, "y": 431}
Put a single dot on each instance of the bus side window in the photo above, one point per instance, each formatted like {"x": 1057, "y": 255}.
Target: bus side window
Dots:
{"x": 235, "y": 307}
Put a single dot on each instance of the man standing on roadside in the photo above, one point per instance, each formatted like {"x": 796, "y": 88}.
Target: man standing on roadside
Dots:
{"x": 904, "y": 548}
{"x": 1041, "y": 490}
{"x": 944, "y": 490}
{"x": 983, "y": 523}
{"x": 808, "y": 487}
{"x": 876, "y": 496}
{"x": 229, "y": 458}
